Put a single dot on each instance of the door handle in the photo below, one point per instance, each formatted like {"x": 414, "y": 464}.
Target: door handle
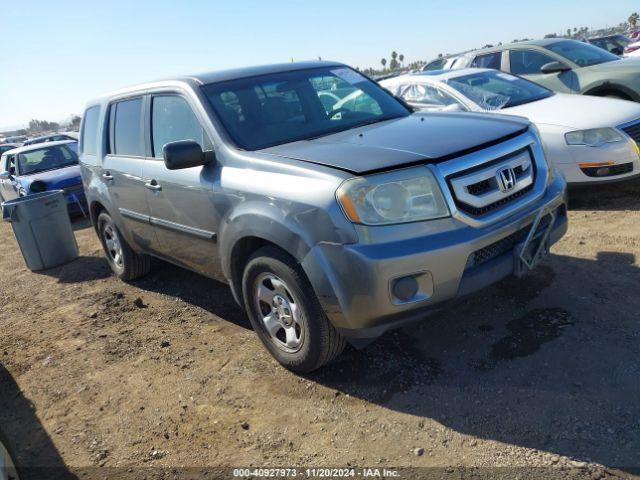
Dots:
{"x": 153, "y": 185}
{"x": 107, "y": 176}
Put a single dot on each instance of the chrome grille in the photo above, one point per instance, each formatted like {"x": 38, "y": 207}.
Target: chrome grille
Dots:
{"x": 480, "y": 190}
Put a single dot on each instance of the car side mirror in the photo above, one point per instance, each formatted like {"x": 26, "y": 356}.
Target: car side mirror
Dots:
{"x": 185, "y": 154}
{"x": 5, "y": 176}
{"x": 554, "y": 67}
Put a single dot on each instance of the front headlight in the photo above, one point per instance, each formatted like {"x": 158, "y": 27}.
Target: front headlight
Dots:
{"x": 594, "y": 137}
{"x": 408, "y": 195}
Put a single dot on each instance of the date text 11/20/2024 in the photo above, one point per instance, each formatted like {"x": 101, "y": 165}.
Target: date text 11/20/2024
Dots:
{"x": 315, "y": 472}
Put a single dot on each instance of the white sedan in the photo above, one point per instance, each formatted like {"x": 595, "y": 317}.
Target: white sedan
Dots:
{"x": 589, "y": 139}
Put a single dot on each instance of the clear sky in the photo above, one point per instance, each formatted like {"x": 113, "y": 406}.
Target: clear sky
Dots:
{"x": 55, "y": 55}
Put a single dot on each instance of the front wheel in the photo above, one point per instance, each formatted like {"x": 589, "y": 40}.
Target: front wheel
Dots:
{"x": 286, "y": 314}
{"x": 125, "y": 263}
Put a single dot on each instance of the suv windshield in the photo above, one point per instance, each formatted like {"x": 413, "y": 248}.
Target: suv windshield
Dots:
{"x": 583, "y": 54}
{"x": 43, "y": 159}
{"x": 495, "y": 90}
{"x": 267, "y": 110}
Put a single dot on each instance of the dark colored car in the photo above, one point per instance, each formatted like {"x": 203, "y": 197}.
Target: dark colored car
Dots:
{"x": 615, "y": 44}
{"x": 5, "y": 147}
{"x": 49, "y": 138}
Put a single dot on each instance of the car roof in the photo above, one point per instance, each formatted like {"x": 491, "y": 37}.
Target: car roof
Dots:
{"x": 543, "y": 42}
{"x": 223, "y": 75}
{"x": 38, "y": 146}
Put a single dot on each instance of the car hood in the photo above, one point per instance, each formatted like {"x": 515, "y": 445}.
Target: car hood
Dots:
{"x": 418, "y": 138}
{"x": 55, "y": 179}
{"x": 578, "y": 111}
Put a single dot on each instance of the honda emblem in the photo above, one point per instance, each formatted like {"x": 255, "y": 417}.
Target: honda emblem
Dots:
{"x": 506, "y": 179}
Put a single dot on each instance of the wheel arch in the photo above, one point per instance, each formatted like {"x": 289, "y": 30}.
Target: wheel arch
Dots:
{"x": 95, "y": 208}
{"x": 247, "y": 234}
{"x": 612, "y": 89}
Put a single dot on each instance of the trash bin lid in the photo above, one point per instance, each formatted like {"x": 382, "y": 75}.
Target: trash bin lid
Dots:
{"x": 32, "y": 197}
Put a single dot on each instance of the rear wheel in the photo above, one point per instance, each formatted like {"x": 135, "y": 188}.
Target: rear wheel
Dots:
{"x": 125, "y": 263}
{"x": 286, "y": 314}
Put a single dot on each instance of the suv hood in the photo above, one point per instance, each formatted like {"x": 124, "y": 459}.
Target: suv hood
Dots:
{"x": 578, "y": 111}
{"x": 418, "y": 138}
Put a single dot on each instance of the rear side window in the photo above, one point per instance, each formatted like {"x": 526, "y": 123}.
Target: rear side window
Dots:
{"x": 490, "y": 60}
{"x": 525, "y": 62}
{"x": 125, "y": 132}
{"x": 90, "y": 131}
{"x": 171, "y": 120}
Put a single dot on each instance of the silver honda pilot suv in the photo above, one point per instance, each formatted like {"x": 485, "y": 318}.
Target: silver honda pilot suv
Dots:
{"x": 331, "y": 209}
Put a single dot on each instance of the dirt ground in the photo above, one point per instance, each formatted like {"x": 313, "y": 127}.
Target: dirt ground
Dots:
{"x": 534, "y": 378}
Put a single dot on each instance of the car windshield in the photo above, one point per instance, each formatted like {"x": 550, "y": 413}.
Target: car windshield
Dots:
{"x": 494, "y": 90}
{"x": 582, "y": 54}
{"x": 267, "y": 110}
{"x": 49, "y": 158}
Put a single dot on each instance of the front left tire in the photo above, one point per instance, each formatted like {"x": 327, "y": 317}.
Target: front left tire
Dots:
{"x": 286, "y": 314}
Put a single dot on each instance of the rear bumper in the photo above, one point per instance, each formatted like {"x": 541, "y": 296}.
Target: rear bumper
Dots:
{"x": 353, "y": 282}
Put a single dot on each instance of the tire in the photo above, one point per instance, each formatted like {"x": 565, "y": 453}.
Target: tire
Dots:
{"x": 126, "y": 264}
{"x": 297, "y": 332}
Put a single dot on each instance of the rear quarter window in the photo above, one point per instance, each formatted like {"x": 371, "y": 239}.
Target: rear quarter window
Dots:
{"x": 89, "y": 133}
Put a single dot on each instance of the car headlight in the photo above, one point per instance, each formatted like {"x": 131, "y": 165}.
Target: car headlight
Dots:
{"x": 408, "y": 195}
{"x": 594, "y": 137}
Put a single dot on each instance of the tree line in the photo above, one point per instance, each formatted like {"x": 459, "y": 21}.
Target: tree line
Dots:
{"x": 42, "y": 126}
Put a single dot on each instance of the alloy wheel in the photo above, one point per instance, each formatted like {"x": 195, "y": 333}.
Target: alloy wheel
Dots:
{"x": 279, "y": 311}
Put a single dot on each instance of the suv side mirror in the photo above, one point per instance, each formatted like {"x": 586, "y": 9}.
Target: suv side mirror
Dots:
{"x": 554, "y": 67}
{"x": 5, "y": 176}
{"x": 185, "y": 154}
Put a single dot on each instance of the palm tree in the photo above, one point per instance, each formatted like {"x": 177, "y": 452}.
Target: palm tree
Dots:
{"x": 633, "y": 19}
{"x": 383, "y": 62}
{"x": 401, "y": 58}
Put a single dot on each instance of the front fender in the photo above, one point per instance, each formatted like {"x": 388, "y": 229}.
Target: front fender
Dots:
{"x": 294, "y": 227}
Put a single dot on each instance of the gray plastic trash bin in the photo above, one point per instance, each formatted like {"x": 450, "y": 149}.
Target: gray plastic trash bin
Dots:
{"x": 42, "y": 228}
